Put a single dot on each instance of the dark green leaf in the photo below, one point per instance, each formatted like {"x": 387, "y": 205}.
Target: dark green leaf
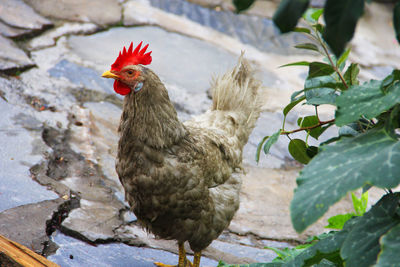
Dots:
{"x": 390, "y": 247}
{"x": 242, "y": 5}
{"x": 270, "y": 264}
{"x": 312, "y": 151}
{"x": 308, "y": 121}
{"x": 272, "y": 140}
{"x": 351, "y": 74}
{"x": 361, "y": 246}
{"x": 365, "y": 100}
{"x": 299, "y": 63}
{"x": 327, "y": 248}
{"x": 321, "y": 96}
{"x": 343, "y": 167}
{"x": 298, "y": 150}
{"x": 295, "y": 96}
{"x": 259, "y": 146}
{"x": 396, "y": 20}
{"x": 393, "y": 122}
{"x": 321, "y": 82}
{"x": 320, "y": 28}
{"x": 338, "y": 221}
{"x": 288, "y": 13}
{"x": 301, "y": 29}
{"x": 341, "y": 17}
{"x": 307, "y": 46}
{"x": 292, "y": 105}
{"x": 319, "y": 69}
{"x": 316, "y": 132}
{"x": 351, "y": 129}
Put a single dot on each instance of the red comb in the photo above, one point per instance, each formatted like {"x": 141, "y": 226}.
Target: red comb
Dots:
{"x": 135, "y": 57}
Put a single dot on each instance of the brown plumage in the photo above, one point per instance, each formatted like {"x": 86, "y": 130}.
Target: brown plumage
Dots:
{"x": 182, "y": 180}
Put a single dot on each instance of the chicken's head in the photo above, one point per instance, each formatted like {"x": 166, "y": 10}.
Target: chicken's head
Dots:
{"x": 127, "y": 69}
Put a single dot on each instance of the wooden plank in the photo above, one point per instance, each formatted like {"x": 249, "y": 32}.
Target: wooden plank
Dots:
{"x": 23, "y": 255}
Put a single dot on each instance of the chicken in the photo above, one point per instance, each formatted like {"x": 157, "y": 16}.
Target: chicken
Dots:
{"x": 182, "y": 180}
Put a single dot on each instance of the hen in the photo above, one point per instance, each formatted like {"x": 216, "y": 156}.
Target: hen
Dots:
{"x": 182, "y": 180}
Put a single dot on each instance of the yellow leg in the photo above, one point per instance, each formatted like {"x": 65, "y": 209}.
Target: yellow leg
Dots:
{"x": 196, "y": 260}
{"x": 183, "y": 262}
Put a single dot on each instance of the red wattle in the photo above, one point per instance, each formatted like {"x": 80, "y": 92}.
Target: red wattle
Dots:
{"x": 121, "y": 88}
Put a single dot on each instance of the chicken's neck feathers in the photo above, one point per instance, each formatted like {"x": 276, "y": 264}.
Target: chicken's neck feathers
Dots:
{"x": 150, "y": 117}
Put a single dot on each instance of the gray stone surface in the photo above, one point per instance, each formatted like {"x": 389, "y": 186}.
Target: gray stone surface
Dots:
{"x": 11, "y": 57}
{"x": 75, "y": 253}
{"x": 17, "y": 14}
{"x": 101, "y": 12}
{"x": 27, "y": 224}
{"x": 20, "y": 149}
{"x": 257, "y": 31}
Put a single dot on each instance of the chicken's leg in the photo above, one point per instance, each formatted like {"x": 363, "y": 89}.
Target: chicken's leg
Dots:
{"x": 183, "y": 262}
{"x": 196, "y": 260}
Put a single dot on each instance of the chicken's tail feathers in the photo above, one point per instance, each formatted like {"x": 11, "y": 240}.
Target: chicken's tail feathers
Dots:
{"x": 239, "y": 91}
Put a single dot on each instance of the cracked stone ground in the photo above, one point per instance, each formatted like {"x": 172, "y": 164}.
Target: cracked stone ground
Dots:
{"x": 59, "y": 193}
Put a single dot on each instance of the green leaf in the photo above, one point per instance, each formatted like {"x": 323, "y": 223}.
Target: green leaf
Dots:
{"x": 307, "y": 121}
{"x": 292, "y": 105}
{"x": 365, "y": 100}
{"x": 272, "y": 140}
{"x": 321, "y": 96}
{"x": 360, "y": 204}
{"x": 259, "y": 146}
{"x": 393, "y": 122}
{"x": 298, "y": 150}
{"x": 341, "y": 17}
{"x": 320, "y": 82}
{"x": 361, "y": 246}
{"x": 312, "y": 14}
{"x": 338, "y": 221}
{"x": 242, "y": 5}
{"x": 390, "y": 247}
{"x": 327, "y": 248}
{"x": 286, "y": 254}
{"x": 343, "y": 167}
{"x": 351, "y": 74}
{"x": 319, "y": 69}
{"x": 307, "y": 46}
{"x": 302, "y": 29}
{"x": 342, "y": 60}
{"x": 288, "y": 13}
{"x": 396, "y": 20}
{"x": 317, "y": 14}
{"x": 312, "y": 151}
{"x": 299, "y": 63}
{"x": 270, "y": 264}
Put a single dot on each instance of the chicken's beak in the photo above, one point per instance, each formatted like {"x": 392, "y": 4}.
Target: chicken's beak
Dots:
{"x": 109, "y": 74}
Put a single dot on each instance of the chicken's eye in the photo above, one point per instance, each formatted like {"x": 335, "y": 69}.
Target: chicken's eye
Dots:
{"x": 130, "y": 72}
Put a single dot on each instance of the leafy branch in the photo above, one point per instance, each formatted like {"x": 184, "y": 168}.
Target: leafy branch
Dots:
{"x": 321, "y": 123}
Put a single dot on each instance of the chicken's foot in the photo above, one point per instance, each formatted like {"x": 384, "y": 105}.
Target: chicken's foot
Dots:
{"x": 183, "y": 261}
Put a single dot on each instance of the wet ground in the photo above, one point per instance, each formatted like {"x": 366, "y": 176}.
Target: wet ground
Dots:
{"x": 59, "y": 193}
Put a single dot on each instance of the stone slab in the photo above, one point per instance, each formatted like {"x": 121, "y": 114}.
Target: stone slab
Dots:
{"x": 20, "y": 15}
{"x": 101, "y": 12}
{"x": 26, "y": 224}
{"x": 75, "y": 253}
{"x": 11, "y": 57}
{"x": 20, "y": 149}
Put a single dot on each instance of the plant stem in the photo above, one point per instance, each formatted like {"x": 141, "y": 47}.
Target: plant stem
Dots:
{"x": 333, "y": 64}
{"x": 307, "y": 128}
